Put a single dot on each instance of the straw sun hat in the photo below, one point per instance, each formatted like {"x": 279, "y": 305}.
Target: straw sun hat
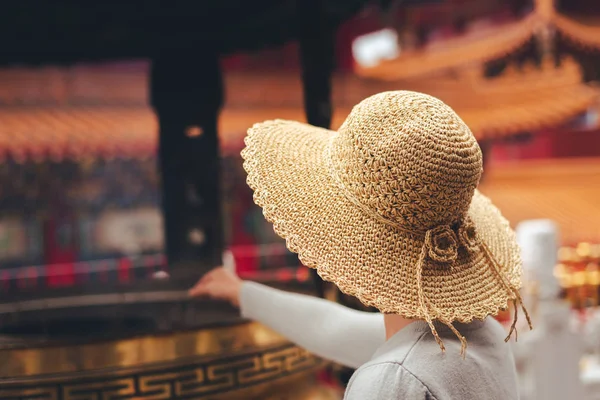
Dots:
{"x": 387, "y": 208}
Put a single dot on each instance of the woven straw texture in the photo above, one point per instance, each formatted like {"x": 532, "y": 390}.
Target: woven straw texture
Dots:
{"x": 387, "y": 208}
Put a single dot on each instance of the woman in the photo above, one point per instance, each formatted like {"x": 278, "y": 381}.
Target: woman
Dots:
{"x": 387, "y": 209}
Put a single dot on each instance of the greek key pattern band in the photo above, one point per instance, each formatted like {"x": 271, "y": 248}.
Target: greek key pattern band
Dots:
{"x": 192, "y": 380}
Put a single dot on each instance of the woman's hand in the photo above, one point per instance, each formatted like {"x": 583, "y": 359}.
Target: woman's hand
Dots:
{"x": 219, "y": 284}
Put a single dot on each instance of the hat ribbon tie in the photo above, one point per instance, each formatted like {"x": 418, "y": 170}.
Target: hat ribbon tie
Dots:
{"x": 441, "y": 246}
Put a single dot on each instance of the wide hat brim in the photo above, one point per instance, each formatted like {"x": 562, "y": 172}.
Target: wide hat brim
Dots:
{"x": 286, "y": 162}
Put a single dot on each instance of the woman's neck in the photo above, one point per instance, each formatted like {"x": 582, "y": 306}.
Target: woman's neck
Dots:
{"x": 394, "y": 323}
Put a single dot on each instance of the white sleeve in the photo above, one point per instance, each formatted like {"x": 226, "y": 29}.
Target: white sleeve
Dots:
{"x": 327, "y": 329}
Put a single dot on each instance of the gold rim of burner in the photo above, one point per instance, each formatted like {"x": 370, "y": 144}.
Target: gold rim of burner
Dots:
{"x": 136, "y": 352}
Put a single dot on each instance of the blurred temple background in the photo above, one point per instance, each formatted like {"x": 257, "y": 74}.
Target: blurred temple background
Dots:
{"x": 121, "y": 181}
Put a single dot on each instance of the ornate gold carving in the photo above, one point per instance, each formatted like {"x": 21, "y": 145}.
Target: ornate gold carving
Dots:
{"x": 247, "y": 374}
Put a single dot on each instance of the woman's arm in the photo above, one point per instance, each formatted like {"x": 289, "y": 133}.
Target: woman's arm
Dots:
{"x": 325, "y": 328}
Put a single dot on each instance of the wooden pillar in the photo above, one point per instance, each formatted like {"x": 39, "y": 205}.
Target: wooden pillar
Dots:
{"x": 187, "y": 95}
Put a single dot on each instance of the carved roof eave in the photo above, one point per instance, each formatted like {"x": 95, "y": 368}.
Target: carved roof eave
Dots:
{"x": 520, "y": 100}
{"x": 456, "y": 52}
{"x": 545, "y": 112}
{"x": 132, "y": 132}
{"x": 578, "y": 33}
{"x": 475, "y": 48}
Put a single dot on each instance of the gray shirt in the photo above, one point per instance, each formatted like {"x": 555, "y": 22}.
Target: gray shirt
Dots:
{"x": 353, "y": 338}
{"x": 410, "y": 365}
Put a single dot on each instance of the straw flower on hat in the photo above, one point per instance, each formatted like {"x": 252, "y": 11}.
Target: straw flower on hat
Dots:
{"x": 387, "y": 208}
